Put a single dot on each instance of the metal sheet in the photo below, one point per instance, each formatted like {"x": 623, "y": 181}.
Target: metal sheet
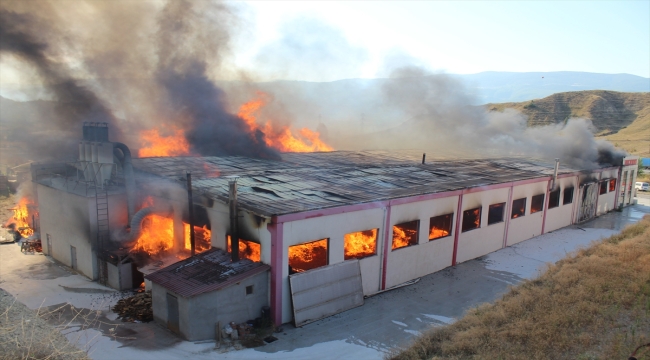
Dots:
{"x": 326, "y": 291}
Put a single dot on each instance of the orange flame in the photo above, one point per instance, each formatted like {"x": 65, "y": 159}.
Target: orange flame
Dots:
{"x": 280, "y": 138}
{"x": 156, "y": 144}
{"x": 247, "y": 249}
{"x": 405, "y": 234}
{"x": 22, "y": 217}
{"x": 360, "y": 244}
{"x": 202, "y": 238}
{"x": 435, "y": 233}
{"x": 307, "y": 256}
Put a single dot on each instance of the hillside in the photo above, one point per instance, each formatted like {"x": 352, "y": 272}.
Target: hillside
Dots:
{"x": 622, "y": 118}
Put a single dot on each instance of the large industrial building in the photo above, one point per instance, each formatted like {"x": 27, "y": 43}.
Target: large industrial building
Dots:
{"x": 388, "y": 215}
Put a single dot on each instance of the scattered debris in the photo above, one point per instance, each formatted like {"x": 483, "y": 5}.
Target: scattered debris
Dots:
{"x": 137, "y": 307}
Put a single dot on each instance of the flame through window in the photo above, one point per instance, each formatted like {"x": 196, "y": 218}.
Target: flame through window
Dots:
{"x": 360, "y": 244}
{"x": 440, "y": 226}
{"x": 471, "y": 219}
{"x": 518, "y": 208}
{"x": 308, "y": 256}
{"x": 405, "y": 234}
{"x": 247, "y": 249}
{"x": 537, "y": 203}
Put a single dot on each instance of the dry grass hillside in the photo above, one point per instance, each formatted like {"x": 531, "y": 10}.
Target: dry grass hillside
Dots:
{"x": 622, "y": 118}
{"x": 591, "y": 305}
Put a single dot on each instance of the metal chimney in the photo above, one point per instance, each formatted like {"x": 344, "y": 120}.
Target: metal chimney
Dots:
{"x": 234, "y": 234}
{"x": 190, "y": 205}
{"x": 557, "y": 168}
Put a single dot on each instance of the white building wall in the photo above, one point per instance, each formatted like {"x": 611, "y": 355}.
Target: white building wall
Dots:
{"x": 411, "y": 262}
{"x": 333, "y": 227}
{"x": 530, "y": 225}
{"x": 487, "y": 238}
{"x": 561, "y": 216}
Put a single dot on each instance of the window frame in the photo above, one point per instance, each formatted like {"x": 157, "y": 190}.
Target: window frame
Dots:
{"x": 512, "y": 212}
{"x": 465, "y": 212}
{"x": 346, "y": 257}
{"x": 327, "y": 253}
{"x": 417, "y": 235}
{"x": 556, "y": 203}
{"x": 571, "y": 190}
{"x": 612, "y": 185}
{"x": 602, "y": 187}
{"x": 532, "y": 201}
{"x": 503, "y": 212}
{"x": 451, "y": 226}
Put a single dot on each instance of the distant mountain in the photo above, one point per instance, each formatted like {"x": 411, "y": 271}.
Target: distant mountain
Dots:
{"x": 622, "y": 118}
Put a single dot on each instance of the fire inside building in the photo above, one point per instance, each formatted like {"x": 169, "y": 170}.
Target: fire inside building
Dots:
{"x": 218, "y": 238}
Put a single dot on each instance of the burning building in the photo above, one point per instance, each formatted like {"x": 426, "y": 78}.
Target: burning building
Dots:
{"x": 389, "y": 217}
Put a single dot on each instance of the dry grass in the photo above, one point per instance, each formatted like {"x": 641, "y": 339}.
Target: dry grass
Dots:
{"x": 24, "y": 335}
{"x": 591, "y": 305}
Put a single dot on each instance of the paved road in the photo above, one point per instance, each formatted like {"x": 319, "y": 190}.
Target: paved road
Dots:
{"x": 385, "y": 321}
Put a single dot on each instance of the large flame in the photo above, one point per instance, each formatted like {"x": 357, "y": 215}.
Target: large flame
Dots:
{"x": 360, "y": 244}
{"x": 280, "y": 137}
{"x": 307, "y": 256}
{"x": 202, "y": 238}
{"x": 172, "y": 143}
{"x": 247, "y": 249}
{"x": 22, "y": 217}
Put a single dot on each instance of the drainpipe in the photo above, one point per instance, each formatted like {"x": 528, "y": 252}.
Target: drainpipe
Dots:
{"x": 234, "y": 234}
{"x": 190, "y": 206}
{"x": 129, "y": 178}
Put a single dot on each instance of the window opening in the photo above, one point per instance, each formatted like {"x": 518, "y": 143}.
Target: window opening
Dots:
{"x": 537, "y": 203}
{"x": 612, "y": 185}
{"x": 247, "y": 249}
{"x": 519, "y": 208}
{"x": 360, "y": 244}
{"x": 603, "y": 188}
{"x": 405, "y": 234}
{"x": 568, "y": 196}
{"x": 471, "y": 219}
{"x": 308, "y": 256}
{"x": 554, "y": 199}
{"x": 249, "y": 289}
{"x": 495, "y": 213}
{"x": 440, "y": 226}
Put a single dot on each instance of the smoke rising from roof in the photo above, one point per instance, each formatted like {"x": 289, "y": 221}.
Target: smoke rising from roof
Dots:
{"x": 442, "y": 121}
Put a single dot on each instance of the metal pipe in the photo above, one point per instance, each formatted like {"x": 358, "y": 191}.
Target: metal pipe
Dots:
{"x": 234, "y": 234}
{"x": 129, "y": 178}
{"x": 424, "y": 155}
{"x": 136, "y": 222}
{"x": 557, "y": 168}
{"x": 190, "y": 205}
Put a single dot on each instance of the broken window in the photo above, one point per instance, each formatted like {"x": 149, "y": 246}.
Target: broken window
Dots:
{"x": 471, "y": 219}
{"x": 537, "y": 203}
{"x": 308, "y": 256}
{"x": 603, "y": 188}
{"x": 568, "y": 196}
{"x": 360, "y": 244}
{"x": 405, "y": 234}
{"x": 554, "y": 199}
{"x": 440, "y": 226}
{"x": 519, "y": 208}
{"x": 495, "y": 213}
{"x": 612, "y": 185}
{"x": 247, "y": 249}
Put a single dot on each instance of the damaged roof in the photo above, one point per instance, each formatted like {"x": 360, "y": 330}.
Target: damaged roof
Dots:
{"x": 205, "y": 272}
{"x": 317, "y": 180}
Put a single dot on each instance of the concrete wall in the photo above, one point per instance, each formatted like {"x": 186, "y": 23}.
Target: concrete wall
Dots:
{"x": 487, "y": 238}
{"x": 333, "y": 227}
{"x": 120, "y": 277}
{"x": 530, "y": 225}
{"x": 66, "y": 218}
{"x": 411, "y": 262}
{"x": 562, "y": 215}
{"x": 199, "y": 315}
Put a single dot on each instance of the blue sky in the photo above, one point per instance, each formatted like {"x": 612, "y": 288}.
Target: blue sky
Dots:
{"x": 295, "y": 40}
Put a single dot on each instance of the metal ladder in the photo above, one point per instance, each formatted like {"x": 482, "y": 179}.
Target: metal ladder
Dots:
{"x": 103, "y": 234}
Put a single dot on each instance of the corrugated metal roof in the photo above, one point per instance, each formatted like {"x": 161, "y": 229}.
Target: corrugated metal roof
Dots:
{"x": 208, "y": 271}
{"x": 311, "y": 181}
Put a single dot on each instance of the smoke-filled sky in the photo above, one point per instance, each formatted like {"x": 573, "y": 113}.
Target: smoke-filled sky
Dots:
{"x": 140, "y": 65}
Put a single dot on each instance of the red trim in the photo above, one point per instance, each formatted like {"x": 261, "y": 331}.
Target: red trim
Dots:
{"x": 548, "y": 190}
{"x": 386, "y": 249}
{"x": 508, "y": 215}
{"x": 600, "y": 179}
{"x": 276, "y": 230}
{"x": 574, "y": 201}
{"x": 459, "y": 219}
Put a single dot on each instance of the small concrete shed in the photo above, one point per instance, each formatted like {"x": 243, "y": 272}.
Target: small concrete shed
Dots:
{"x": 191, "y": 296}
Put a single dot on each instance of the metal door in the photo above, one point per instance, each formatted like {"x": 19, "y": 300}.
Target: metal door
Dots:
{"x": 73, "y": 257}
{"x": 172, "y": 313}
{"x": 49, "y": 244}
{"x": 588, "y": 201}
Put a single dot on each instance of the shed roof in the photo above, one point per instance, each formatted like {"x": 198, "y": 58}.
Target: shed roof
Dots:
{"x": 312, "y": 181}
{"x": 208, "y": 271}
